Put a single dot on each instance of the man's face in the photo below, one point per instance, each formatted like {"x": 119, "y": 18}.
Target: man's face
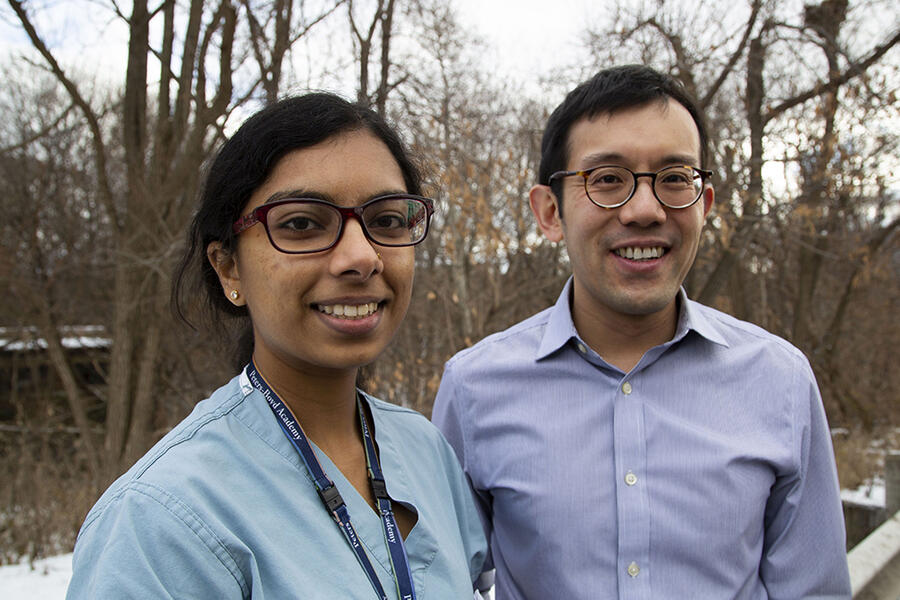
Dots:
{"x": 612, "y": 279}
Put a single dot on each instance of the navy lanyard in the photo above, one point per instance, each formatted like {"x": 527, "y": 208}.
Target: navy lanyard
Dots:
{"x": 332, "y": 499}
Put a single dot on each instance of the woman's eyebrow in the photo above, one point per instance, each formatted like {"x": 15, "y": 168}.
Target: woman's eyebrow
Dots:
{"x": 297, "y": 193}
{"x": 315, "y": 195}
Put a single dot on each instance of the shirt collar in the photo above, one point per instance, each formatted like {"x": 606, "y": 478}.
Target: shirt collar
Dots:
{"x": 561, "y": 328}
{"x": 691, "y": 317}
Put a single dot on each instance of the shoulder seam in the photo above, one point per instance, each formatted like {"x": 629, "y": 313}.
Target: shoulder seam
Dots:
{"x": 217, "y": 547}
{"x": 731, "y": 322}
{"x": 500, "y": 336}
{"x": 201, "y": 420}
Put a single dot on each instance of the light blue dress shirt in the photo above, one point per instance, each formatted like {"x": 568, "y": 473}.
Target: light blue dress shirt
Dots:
{"x": 223, "y": 507}
{"x": 706, "y": 472}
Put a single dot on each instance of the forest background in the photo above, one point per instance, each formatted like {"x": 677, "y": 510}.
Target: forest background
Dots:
{"x": 100, "y": 169}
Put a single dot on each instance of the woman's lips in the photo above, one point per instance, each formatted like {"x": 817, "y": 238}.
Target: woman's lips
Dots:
{"x": 351, "y": 318}
{"x": 348, "y": 311}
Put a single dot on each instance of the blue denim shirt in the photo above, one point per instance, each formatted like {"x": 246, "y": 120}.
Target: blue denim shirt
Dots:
{"x": 706, "y": 472}
{"x": 223, "y": 507}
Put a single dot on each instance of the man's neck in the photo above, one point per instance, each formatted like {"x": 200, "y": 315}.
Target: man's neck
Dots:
{"x": 622, "y": 339}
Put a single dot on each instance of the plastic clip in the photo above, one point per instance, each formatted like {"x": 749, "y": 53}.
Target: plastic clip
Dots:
{"x": 331, "y": 498}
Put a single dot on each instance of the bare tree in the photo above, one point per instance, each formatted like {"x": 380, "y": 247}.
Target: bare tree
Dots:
{"x": 166, "y": 132}
{"x": 379, "y": 29}
{"x": 273, "y": 34}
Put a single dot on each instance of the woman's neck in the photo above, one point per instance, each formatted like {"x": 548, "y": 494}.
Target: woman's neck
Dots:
{"x": 322, "y": 401}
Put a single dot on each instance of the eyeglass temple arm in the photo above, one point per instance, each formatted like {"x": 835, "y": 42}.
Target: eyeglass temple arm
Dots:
{"x": 244, "y": 223}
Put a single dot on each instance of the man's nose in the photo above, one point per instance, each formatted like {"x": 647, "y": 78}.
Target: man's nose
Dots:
{"x": 642, "y": 209}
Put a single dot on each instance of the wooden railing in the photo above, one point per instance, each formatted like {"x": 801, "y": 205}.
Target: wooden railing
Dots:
{"x": 875, "y": 563}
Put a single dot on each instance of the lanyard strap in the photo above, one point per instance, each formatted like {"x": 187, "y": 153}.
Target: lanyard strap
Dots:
{"x": 392, "y": 537}
{"x": 331, "y": 497}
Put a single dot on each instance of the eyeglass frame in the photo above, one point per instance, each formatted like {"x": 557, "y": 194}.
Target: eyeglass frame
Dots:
{"x": 705, "y": 175}
{"x": 260, "y": 215}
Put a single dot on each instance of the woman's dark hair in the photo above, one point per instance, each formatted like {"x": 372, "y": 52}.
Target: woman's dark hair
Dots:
{"x": 242, "y": 165}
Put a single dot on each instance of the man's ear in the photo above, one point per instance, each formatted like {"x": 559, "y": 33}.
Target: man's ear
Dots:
{"x": 225, "y": 264}
{"x": 709, "y": 198}
{"x": 546, "y": 211}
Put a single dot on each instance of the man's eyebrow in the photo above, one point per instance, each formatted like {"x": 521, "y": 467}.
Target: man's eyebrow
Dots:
{"x": 679, "y": 159}
{"x": 614, "y": 158}
{"x": 602, "y": 158}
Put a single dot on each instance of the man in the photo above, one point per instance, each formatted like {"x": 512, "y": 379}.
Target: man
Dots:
{"x": 629, "y": 442}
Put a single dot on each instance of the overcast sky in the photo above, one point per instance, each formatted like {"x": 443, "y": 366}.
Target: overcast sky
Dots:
{"x": 531, "y": 37}
{"x": 526, "y": 39}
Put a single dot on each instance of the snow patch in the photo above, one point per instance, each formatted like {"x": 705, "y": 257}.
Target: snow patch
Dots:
{"x": 871, "y": 493}
{"x": 47, "y": 580}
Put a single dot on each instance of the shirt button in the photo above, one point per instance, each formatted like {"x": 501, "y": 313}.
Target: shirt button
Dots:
{"x": 633, "y": 569}
{"x": 581, "y": 348}
{"x": 626, "y": 388}
{"x": 630, "y": 478}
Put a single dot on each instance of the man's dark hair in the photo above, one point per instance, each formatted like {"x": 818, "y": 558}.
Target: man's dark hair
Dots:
{"x": 609, "y": 91}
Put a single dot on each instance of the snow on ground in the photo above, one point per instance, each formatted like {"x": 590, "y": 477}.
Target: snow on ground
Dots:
{"x": 46, "y": 581}
{"x": 868, "y": 494}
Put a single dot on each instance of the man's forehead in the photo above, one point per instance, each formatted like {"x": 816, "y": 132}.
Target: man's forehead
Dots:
{"x": 665, "y": 128}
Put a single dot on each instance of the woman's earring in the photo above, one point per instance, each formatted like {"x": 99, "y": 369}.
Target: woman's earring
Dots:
{"x": 235, "y": 294}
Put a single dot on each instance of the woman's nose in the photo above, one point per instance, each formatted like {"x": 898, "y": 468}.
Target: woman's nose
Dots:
{"x": 354, "y": 254}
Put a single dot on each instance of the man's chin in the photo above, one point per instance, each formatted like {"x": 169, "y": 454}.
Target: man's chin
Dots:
{"x": 645, "y": 305}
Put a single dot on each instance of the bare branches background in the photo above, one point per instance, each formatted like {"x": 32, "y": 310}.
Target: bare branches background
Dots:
{"x": 98, "y": 182}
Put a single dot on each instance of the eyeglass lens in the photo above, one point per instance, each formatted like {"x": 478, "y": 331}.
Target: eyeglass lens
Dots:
{"x": 674, "y": 186}
{"x": 308, "y": 225}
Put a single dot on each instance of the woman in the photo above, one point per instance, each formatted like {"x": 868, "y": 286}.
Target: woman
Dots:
{"x": 288, "y": 482}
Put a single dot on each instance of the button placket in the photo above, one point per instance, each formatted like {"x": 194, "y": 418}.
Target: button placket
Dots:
{"x": 632, "y": 502}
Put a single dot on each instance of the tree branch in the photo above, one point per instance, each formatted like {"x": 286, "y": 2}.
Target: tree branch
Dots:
{"x": 106, "y": 195}
{"x": 853, "y": 70}
{"x": 38, "y": 135}
{"x": 732, "y": 61}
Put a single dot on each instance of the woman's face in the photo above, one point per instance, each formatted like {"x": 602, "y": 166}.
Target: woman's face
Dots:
{"x": 299, "y": 303}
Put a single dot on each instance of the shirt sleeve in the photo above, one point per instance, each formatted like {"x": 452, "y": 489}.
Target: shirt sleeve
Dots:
{"x": 145, "y": 545}
{"x": 804, "y": 553}
{"x": 448, "y": 414}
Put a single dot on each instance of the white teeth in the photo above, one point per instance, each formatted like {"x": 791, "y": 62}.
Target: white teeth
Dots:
{"x": 348, "y": 311}
{"x": 636, "y": 253}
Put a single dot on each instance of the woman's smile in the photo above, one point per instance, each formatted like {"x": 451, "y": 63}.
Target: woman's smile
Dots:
{"x": 348, "y": 310}
{"x": 351, "y": 318}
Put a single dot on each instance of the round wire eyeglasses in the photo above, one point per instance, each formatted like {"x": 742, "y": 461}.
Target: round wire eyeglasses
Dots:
{"x": 611, "y": 186}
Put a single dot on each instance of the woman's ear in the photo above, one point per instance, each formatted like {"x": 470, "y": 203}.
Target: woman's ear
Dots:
{"x": 225, "y": 264}
{"x": 546, "y": 211}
